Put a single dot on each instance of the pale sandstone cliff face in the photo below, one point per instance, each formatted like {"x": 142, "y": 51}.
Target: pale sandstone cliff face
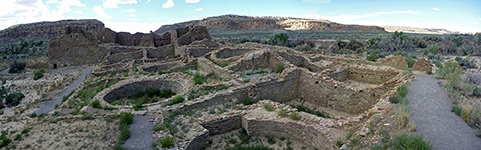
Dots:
{"x": 47, "y": 30}
{"x": 226, "y": 23}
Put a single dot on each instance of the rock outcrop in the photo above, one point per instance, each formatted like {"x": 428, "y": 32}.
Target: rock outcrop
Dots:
{"x": 219, "y": 24}
{"x": 47, "y": 30}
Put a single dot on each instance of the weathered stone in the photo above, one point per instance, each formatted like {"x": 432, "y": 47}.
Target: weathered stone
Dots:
{"x": 422, "y": 64}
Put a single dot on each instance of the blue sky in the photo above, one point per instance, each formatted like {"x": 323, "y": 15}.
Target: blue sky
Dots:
{"x": 146, "y": 15}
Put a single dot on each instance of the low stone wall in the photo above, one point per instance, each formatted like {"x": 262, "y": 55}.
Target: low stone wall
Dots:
{"x": 295, "y": 130}
{"x": 222, "y": 98}
{"x": 223, "y": 125}
{"x": 422, "y": 64}
{"x": 178, "y": 82}
{"x": 115, "y": 58}
{"x": 122, "y": 49}
{"x": 208, "y": 67}
{"x": 228, "y": 52}
{"x": 161, "y": 67}
{"x": 160, "y": 52}
{"x": 280, "y": 90}
{"x": 398, "y": 62}
{"x": 369, "y": 75}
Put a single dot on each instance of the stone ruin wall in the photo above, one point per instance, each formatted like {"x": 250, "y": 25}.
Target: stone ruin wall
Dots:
{"x": 298, "y": 131}
{"x": 80, "y": 47}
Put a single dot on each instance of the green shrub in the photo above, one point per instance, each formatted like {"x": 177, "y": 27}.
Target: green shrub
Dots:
{"x": 405, "y": 142}
{"x": 450, "y": 67}
{"x": 402, "y": 91}
{"x": 175, "y": 100}
{"x": 282, "y": 113}
{"x": 456, "y": 109}
{"x": 248, "y": 101}
{"x": 126, "y": 118}
{"x": 268, "y": 107}
{"x": 295, "y": 116}
{"x": 373, "y": 56}
{"x": 159, "y": 127}
{"x": 18, "y": 137}
{"x": 124, "y": 132}
{"x": 166, "y": 142}
{"x": 199, "y": 79}
{"x": 410, "y": 62}
{"x": 279, "y": 68}
{"x": 137, "y": 106}
{"x": 310, "y": 111}
{"x": 402, "y": 115}
{"x": 17, "y": 67}
{"x": 13, "y": 99}
{"x": 271, "y": 140}
{"x": 118, "y": 147}
{"x": 96, "y": 104}
{"x": 26, "y": 130}
{"x": 38, "y": 74}
{"x": 5, "y": 140}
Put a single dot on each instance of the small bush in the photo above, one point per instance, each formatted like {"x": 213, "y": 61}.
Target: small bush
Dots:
{"x": 450, "y": 67}
{"x": 402, "y": 116}
{"x": 126, "y": 118}
{"x": 373, "y": 56}
{"x": 394, "y": 99}
{"x": 279, "y": 68}
{"x": 410, "y": 62}
{"x": 118, "y": 147}
{"x": 13, "y": 99}
{"x": 96, "y": 104}
{"x": 159, "y": 127}
{"x": 268, "y": 107}
{"x": 402, "y": 91}
{"x": 282, "y": 113}
{"x": 413, "y": 127}
{"x": 137, "y": 106}
{"x": 405, "y": 142}
{"x": 5, "y": 140}
{"x": 199, "y": 79}
{"x": 124, "y": 132}
{"x": 271, "y": 140}
{"x": 26, "y": 130}
{"x": 166, "y": 142}
{"x": 248, "y": 101}
{"x": 38, "y": 74}
{"x": 339, "y": 143}
{"x": 295, "y": 116}
{"x": 17, "y": 67}
{"x": 175, "y": 100}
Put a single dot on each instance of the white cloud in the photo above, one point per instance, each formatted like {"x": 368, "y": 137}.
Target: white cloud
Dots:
{"x": 115, "y": 3}
{"x": 64, "y": 6}
{"x": 101, "y": 15}
{"x": 79, "y": 12}
{"x": 199, "y": 9}
{"x": 129, "y": 10}
{"x": 131, "y": 15}
{"x": 132, "y": 27}
{"x": 436, "y": 9}
{"x": 134, "y": 19}
{"x": 192, "y": 1}
{"x": 148, "y": 1}
{"x": 25, "y": 11}
{"x": 479, "y": 19}
{"x": 168, "y": 4}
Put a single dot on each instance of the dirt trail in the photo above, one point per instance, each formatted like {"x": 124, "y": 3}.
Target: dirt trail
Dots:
{"x": 49, "y": 106}
{"x": 140, "y": 134}
{"x": 431, "y": 111}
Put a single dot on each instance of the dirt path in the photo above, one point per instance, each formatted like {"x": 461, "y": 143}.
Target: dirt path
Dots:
{"x": 431, "y": 111}
{"x": 49, "y": 106}
{"x": 140, "y": 134}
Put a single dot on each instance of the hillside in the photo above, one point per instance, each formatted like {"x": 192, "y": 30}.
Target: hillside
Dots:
{"x": 226, "y": 23}
{"x": 46, "y": 30}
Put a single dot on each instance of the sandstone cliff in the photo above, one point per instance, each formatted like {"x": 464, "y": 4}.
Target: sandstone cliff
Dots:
{"x": 226, "y": 23}
{"x": 47, "y": 30}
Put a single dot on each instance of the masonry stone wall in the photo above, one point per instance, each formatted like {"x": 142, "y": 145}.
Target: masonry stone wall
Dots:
{"x": 130, "y": 89}
{"x": 207, "y": 67}
{"x": 115, "y": 58}
{"x": 298, "y": 131}
{"x": 160, "y": 52}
